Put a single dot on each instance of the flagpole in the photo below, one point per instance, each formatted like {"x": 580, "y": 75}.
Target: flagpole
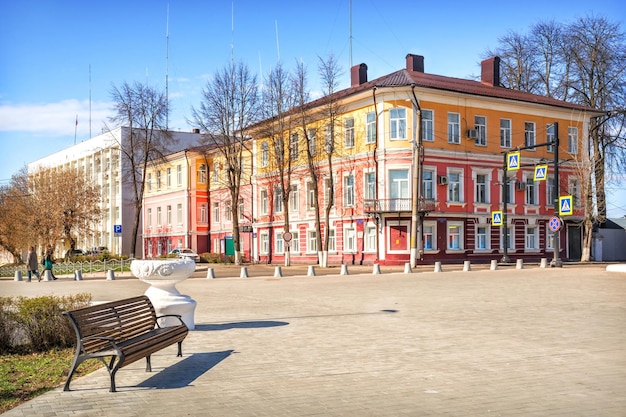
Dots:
{"x": 75, "y": 129}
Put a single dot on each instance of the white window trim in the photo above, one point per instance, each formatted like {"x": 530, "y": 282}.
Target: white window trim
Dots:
{"x": 487, "y": 238}
{"x": 535, "y": 238}
{"x": 432, "y": 224}
{"x": 349, "y": 227}
{"x": 460, "y": 225}
{"x": 408, "y": 241}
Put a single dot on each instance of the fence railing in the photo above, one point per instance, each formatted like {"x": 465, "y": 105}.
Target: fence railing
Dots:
{"x": 65, "y": 268}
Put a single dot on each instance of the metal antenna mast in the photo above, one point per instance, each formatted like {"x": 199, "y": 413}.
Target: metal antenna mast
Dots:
{"x": 167, "y": 48}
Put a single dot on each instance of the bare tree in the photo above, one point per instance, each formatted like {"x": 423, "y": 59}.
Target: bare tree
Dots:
{"x": 330, "y": 72}
{"x": 229, "y": 107}
{"x": 18, "y": 215}
{"x": 144, "y": 110}
{"x": 304, "y": 118}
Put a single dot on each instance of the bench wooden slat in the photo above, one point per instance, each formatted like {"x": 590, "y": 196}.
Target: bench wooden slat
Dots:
{"x": 130, "y": 324}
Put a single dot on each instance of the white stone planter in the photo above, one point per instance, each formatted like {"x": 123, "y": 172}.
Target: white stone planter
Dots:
{"x": 163, "y": 275}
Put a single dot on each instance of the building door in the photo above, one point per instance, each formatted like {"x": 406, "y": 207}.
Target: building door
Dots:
{"x": 398, "y": 238}
{"x": 574, "y": 243}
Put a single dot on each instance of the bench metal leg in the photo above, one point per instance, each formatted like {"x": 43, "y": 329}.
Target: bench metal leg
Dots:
{"x": 180, "y": 349}
{"x": 148, "y": 364}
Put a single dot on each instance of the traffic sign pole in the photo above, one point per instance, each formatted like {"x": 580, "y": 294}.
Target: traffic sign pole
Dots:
{"x": 556, "y": 260}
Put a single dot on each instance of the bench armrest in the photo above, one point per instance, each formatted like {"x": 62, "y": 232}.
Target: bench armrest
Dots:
{"x": 178, "y": 316}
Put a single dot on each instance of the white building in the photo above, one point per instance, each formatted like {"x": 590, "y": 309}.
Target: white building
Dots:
{"x": 101, "y": 159}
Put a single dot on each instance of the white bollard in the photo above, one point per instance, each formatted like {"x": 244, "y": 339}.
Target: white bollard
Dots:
{"x": 47, "y": 275}
{"x": 438, "y": 267}
{"x": 311, "y": 271}
{"x": 110, "y": 275}
{"x": 544, "y": 263}
{"x": 18, "y": 276}
{"x": 344, "y": 269}
{"x": 519, "y": 264}
{"x": 494, "y": 265}
{"x": 210, "y": 274}
{"x": 467, "y": 266}
{"x": 376, "y": 269}
{"x": 278, "y": 272}
{"x": 407, "y": 268}
{"x": 78, "y": 275}
{"x": 244, "y": 272}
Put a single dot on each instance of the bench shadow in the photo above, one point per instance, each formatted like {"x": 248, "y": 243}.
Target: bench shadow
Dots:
{"x": 257, "y": 324}
{"x": 186, "y": 371}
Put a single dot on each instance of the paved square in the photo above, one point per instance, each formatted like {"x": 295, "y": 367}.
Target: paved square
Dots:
{"x": 531, "y": 342}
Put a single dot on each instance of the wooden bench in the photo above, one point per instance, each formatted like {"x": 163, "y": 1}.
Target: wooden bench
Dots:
{"x": 123, "y": 331}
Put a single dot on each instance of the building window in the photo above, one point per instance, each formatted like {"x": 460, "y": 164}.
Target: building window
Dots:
{"x": 397, "y": 118}
{"x": 348, "y": 191}
{"x": 428, "y": 184}
{"x": 294, "y": 243}
{"x": 280, "y": 243}
{"x": 293, "y": 198}
{"x": 310, "y": 196}
{"x": 332, "y": 241}
{"x": 531, "y": 192}
{"x": 278, "y": 200}
{"x": 149, "y": 218}
{"x": 550, "y": 192}
{"x": 240, "y": 209}
{"x": 482, "y": 241}
{"x": 550, "y": 137}
{"x": 179, "y": 213}
{"x": 150, "y": 248}
{"x": 529, "y": 134}
{"x": 311, "y": 241}
{"x": 505, "y": 133}
{"x": 455, "y": 236}
{"x": 480, "y": 124}
{"x": 510, "y": 238}
{"x": 264, "y": 206}
{"x": 349, "y": 239}
{"x": 202, "y": 213}
{"x": 312, "y": 136}
{"x": 370, "y": 129}
{"x": 428, "y": 233}
{"x": 509, "y": 191}
{"x": 549, "y": 239}
{"x": 328, "y": 189}
{"x": 531, "y": 237}
{"x": 169, "y": 177}
{"x": 293, "y": 147}
{"x": 149, "y": 182}
{"x": 481, "y": 189}
{"x": 370, "y": 185}
{"x": 216, "y": 212}
{"x": 228, "y": 212}
{"x": 158, "y": 180}
{"x": 202, "y": 174}
{"x": 455, "y": 187}
{"x": 265, "y": 243}
{"x": 349, "y": 132}
{"x": 329, "y": 141}
{"x": 159, "y": 219}
{"x": 454, "y": 128}
{"x": 265, "y": 154}
{"x": 428, "y": 126}
{"x": 399, "y": 183}
{"x": 572, "y": 140}
{"x": 179, "y": 175}
{"x": 169, "y": 215}
{"x": 575, "y": 191}
{"x": 370, "y": 238}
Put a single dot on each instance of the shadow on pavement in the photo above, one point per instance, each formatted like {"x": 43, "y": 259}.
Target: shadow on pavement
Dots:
{"x": 240, "y": 325}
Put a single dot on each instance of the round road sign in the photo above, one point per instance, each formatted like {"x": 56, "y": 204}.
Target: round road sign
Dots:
{"x": 555, "y": 223}
{"x": 287, "y": 236}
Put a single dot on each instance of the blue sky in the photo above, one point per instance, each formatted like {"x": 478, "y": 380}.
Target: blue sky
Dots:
{"x": 49, "y": 51}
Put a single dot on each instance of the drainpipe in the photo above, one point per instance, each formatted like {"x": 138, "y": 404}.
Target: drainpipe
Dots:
{"x": 416, "y": 230}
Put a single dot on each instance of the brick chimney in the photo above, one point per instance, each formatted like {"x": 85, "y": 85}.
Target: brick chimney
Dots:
{"x": 415, "y": 63}
{"x": 358, "y": 75}
{"x": 490, "y": 71}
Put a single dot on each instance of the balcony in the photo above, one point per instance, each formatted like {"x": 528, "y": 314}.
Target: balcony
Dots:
{"x": 398, "y": 205}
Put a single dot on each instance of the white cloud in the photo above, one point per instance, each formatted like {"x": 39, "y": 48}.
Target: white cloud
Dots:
{"x": 54, "y": 119}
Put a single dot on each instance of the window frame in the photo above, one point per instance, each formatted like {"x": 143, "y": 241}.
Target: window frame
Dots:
{"x": 370, "y": 127}
{"x": 397, "y": 123}
{"x": 506, "y": 133}
{"x": 427, "y": 125}
{"x": 348, "y": 133}
{"x": 454, "y": 128}
{"x": 481, "y": 129}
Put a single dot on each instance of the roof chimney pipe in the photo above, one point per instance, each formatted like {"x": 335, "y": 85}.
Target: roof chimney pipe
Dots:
{"x": 490, "y": 71}
{"x": 415, "y": 63}
{"x": 358, "y": 75}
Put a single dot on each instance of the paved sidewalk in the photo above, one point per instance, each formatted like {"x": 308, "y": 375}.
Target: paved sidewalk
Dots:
{"x": 530, "y": 342}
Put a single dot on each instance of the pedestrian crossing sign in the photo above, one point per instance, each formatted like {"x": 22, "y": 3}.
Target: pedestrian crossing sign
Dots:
{"x": 565, "y": 205}
{"x": 541, "y": 172}
{"x": 496, "y": 218}
{"x": 512, "y": 161}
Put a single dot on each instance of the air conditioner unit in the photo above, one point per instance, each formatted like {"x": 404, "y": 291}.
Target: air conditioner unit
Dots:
{"x": 520, "y": 185}
{"x": 472, "y": 133}
{"x": 443, "y": 180}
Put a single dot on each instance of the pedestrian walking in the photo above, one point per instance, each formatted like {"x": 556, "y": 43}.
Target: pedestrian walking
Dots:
{"x": 49, "y": 261}
{"x": 32, "y": 265}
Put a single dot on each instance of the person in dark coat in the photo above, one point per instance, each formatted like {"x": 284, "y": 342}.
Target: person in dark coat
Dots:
{"x": 49, "y": 261}
{"x": 32, "y": 265}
